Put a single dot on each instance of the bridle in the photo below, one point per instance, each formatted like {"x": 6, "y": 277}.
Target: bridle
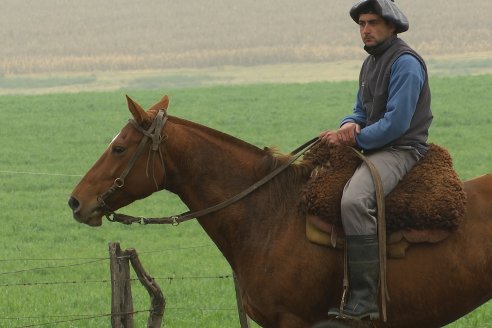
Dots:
{"x": 153, "y": 133}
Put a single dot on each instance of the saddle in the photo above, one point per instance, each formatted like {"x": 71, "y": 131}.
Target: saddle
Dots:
{"x": 426, "y": 206}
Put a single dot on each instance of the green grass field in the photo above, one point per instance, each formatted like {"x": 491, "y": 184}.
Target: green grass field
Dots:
{"x": 54, "y": 269}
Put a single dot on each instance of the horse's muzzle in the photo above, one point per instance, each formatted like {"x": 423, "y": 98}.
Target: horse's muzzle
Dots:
{"x": 93, "y": 219}
{"x": 74, "y": 204}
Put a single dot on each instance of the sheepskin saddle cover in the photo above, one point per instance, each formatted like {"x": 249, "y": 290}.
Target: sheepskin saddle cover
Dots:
{"x": 430, "y": 196}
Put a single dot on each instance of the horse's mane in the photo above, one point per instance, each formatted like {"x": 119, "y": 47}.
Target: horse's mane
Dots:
{"x": 270, "y": 159}
{"x": 215, "y": 133}
{"x": 274, "y": 158}
{"x": 289, "y": 180}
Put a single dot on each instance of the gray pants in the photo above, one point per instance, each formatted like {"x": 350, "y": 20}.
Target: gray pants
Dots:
{"x": 358, "y": 206}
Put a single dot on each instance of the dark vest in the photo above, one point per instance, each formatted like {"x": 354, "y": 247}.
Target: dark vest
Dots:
{"x": 374, "y": 81}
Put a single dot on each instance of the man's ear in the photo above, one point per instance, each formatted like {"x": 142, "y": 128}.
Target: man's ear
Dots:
{"x": 393, "y": 27}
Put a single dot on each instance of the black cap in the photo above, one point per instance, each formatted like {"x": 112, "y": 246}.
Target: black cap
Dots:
{"x": 384, "y": 8}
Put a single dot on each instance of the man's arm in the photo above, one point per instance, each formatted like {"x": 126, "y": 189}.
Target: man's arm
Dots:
{"x": 349, "y": 127}
{"x": 406, "y": 81}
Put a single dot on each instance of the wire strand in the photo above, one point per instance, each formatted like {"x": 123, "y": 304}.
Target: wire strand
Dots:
{"x": 81, "y": 317}
{"x": 52, "y": 267}
{"x": 103, "y": 258}
{"x": 49, "y": 283}
{"x": 40, "y": 173}
{"x": 54, "y": 259}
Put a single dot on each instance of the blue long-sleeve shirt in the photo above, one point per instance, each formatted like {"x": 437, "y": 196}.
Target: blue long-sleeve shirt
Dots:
{"x": 406, "y": 81}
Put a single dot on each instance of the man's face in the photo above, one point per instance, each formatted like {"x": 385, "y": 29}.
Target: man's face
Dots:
{"x": 374, "y": 29}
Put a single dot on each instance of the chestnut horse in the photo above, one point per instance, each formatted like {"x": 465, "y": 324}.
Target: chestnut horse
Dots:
{"x": 285, "y": 281}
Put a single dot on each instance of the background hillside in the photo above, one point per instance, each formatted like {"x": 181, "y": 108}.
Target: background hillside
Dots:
{"x": 114, "y": 35}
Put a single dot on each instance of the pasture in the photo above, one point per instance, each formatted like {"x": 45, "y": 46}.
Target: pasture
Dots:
{"x": 54, "y": 269}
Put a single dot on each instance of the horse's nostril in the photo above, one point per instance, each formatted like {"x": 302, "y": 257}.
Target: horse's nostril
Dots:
{"x": 73, "y": 203}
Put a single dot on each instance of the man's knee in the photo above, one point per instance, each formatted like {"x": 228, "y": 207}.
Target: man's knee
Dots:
{"x": 347, "y": 204}
{"x": 351, "y": 203}
{"x": 356, "y": 215}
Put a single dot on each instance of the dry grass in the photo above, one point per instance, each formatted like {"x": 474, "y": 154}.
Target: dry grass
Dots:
{"x": 172, "y": 78}
{"x": 113, "y": 35}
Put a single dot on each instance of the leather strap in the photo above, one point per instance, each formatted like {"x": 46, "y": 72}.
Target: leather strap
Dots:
{"x": 154, "y": 133}
{"x": 380, "y": 206}
{"x": 177, "y": 219}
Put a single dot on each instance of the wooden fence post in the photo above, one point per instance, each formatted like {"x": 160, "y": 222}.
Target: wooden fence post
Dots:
{"x": 158, "y": 302}
{"x": 243, "y": 317}
{"x": 121, "y": 300}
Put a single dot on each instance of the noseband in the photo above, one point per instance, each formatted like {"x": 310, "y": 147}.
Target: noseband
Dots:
{"x": 154, "y": 134}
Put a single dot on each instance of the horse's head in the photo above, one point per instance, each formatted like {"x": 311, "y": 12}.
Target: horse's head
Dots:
{"x": 131, "y": 168}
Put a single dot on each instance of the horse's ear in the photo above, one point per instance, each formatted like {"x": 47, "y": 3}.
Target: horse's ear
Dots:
{"x": 164, "y": 102}
{"x": 137, "y": 111}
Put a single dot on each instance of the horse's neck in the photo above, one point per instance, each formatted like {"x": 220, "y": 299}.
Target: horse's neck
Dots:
{"x": 206, "y": 165}
{"x": 208, "y": 168}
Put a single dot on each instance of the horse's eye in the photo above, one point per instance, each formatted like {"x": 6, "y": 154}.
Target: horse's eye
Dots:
{"x": 118, "y": 150}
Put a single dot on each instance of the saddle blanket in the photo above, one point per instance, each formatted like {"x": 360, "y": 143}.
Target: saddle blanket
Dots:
{"x": 430, "y": 196}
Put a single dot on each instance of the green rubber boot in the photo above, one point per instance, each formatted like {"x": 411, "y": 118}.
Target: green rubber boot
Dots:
{"x": 363, "y": 266}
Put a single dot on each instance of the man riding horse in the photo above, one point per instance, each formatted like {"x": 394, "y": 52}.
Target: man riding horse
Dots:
{"x": 390, "y": 123}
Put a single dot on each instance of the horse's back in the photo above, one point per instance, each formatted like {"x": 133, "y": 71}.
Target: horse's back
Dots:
{"x": 479, "y": 197}
{"x": 481, "y": 184}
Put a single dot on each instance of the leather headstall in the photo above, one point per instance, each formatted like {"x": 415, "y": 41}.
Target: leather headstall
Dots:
{"x": 153, "y": 133}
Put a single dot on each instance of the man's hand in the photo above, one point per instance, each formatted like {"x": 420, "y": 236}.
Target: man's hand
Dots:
{"x": 345, "y": 135}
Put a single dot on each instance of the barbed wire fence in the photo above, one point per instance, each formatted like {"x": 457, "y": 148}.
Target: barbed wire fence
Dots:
{"x": 53, "y": 320}
{"x": 12, "y": 321}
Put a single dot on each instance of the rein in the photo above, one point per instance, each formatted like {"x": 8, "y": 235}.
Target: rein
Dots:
{"x": 177, "y": 219}
{"x": 154, "y": 134}
{"x": 381, "y": 224}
